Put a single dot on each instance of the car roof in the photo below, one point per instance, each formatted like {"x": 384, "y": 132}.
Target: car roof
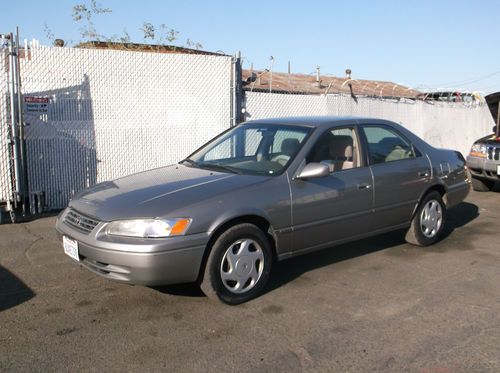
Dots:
{"x": 310, "y": 121}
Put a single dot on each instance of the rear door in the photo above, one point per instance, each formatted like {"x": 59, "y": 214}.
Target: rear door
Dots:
{"x": 400, "y": 171}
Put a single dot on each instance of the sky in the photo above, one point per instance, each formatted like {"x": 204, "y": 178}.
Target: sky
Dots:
{"x": 427, "y": 45}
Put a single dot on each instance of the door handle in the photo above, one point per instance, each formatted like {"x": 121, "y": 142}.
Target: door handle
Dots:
{"x": 423, "y": 173}
{"x": 364, "y": 186}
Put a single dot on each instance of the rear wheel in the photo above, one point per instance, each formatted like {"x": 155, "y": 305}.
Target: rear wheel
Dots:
{"x": 482, "y": 185}
{"x": 238, "y": 266}
{"x": 428, "y": 222}
{"x": 4, "y": 217}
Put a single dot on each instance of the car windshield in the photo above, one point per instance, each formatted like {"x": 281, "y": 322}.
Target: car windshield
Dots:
{"x": 263, "y": 149}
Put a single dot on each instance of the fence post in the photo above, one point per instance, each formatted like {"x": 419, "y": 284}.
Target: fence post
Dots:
{"x": 237, "y": 91}
{"x": 22, "y": 138}
{"x": 19, "y": 174}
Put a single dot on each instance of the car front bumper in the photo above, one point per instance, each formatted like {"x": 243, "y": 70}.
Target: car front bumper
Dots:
{"x": 136, "y": 260}
{"x": 483, "y": 168}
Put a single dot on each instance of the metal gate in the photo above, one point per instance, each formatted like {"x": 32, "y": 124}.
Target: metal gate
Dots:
{"x": 92, "y": 115}
{"x": 14, "y": 194}
{"x": 5, "y": 164}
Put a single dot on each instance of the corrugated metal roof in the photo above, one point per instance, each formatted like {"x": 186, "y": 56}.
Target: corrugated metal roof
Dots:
{"x": 307, "y": 84}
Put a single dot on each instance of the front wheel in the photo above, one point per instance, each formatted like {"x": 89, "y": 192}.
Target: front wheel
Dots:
{"x": 238, "y": 265}
{"x": 428, "y": 223}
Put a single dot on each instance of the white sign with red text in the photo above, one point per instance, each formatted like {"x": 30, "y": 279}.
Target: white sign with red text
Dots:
{"x": 36, "y": 105}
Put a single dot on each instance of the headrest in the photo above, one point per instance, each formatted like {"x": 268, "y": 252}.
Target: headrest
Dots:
{"x": 341, "y": 146}
{"x": 290, "y": 146}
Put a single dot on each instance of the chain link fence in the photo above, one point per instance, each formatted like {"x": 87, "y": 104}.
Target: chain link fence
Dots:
{"x": 5, "y": 156}
{"x": 112, "y": 113}
{"x": 94, "y": 114}
{"x": 448, "y": 125}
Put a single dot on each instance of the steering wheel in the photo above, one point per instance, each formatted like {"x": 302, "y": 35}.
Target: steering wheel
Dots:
{"x": 282, "y": 159}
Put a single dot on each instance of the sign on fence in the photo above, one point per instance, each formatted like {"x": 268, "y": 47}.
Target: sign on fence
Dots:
{"x": 36, "y": 105}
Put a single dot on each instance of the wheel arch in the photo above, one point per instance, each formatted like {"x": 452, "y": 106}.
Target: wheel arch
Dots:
{"x": 261, "y": 222}
{"x": 440, "y": 188}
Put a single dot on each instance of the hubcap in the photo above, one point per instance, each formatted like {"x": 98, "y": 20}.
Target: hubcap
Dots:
{"x": 431, "y": 218}
{"x": 242, "y": 266}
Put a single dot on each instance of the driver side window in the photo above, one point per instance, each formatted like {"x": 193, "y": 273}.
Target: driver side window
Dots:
{"x": 337, "y": 148}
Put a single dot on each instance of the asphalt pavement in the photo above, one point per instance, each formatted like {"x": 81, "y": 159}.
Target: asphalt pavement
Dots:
{"x": 375, "y": 305}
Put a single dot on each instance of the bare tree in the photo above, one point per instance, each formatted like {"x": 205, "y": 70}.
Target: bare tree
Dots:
{"x": 85, "y": 12}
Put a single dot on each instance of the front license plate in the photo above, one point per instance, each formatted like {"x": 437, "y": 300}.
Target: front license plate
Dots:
{"x": 498, "y": 169}
{"x": 71, "y": 248}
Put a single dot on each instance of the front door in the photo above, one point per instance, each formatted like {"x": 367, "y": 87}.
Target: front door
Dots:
{"x": 332, "y": 208}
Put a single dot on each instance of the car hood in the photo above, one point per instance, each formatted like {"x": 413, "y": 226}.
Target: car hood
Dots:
{"x": 156, "y": 192}
{"x": 489, "y": 140}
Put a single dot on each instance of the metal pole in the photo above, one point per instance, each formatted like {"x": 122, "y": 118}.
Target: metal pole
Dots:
{"x": 271, "y": 75}
{"x": 497, "y": 132}
{"x": 238, "y": 88}
{"x": 289, "y": 72}
{"x": 13, "y": 117}
{"x": 236, "y": 83}
{"x": 22, "y": 140}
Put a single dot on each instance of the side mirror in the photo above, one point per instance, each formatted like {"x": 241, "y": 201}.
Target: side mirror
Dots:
{"x": 312, "y": 170}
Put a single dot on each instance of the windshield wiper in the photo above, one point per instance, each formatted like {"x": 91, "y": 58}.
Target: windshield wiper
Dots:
{"x": 190, "y": 161}
{"x": 212, "y": 166}
{"x": 220, "y": 167}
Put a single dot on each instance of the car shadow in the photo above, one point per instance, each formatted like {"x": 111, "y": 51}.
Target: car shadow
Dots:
{"x": 288, "y": 270}
{"x": 184, "y": 290}
{"x": 12, "y": 290}
{"x": 458, "y": 216}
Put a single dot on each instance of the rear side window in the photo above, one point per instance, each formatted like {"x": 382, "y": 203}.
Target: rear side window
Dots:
{"x": 386, "y": 145}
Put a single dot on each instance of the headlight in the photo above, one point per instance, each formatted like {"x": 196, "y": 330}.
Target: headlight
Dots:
{"x": 478, "y": 150}
{"x": 148, "y": 228}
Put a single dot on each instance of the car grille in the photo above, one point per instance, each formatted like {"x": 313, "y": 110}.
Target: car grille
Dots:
{"x": 493, "y": 153}
{"x": 80, "y": 222}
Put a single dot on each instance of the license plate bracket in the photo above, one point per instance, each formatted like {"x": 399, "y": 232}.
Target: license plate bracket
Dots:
{"x": 71, "y": 248}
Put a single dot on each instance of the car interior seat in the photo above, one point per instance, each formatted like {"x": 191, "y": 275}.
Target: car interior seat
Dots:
{"x": 398, "y": 151}
{"x": 341, "y": 153}
{"x": 290, "y": 146}
{"x": 288, "y": 149}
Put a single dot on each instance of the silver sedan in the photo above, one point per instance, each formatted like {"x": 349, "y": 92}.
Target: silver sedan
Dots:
{"x": 263, "y": 191}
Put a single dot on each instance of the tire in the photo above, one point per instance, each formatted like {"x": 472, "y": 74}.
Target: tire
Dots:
{"x": 428, "y": 222}
{"x": 238, "y": 265}
{"x": 482, "y": 185}
{"x": 4, "y": 217}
